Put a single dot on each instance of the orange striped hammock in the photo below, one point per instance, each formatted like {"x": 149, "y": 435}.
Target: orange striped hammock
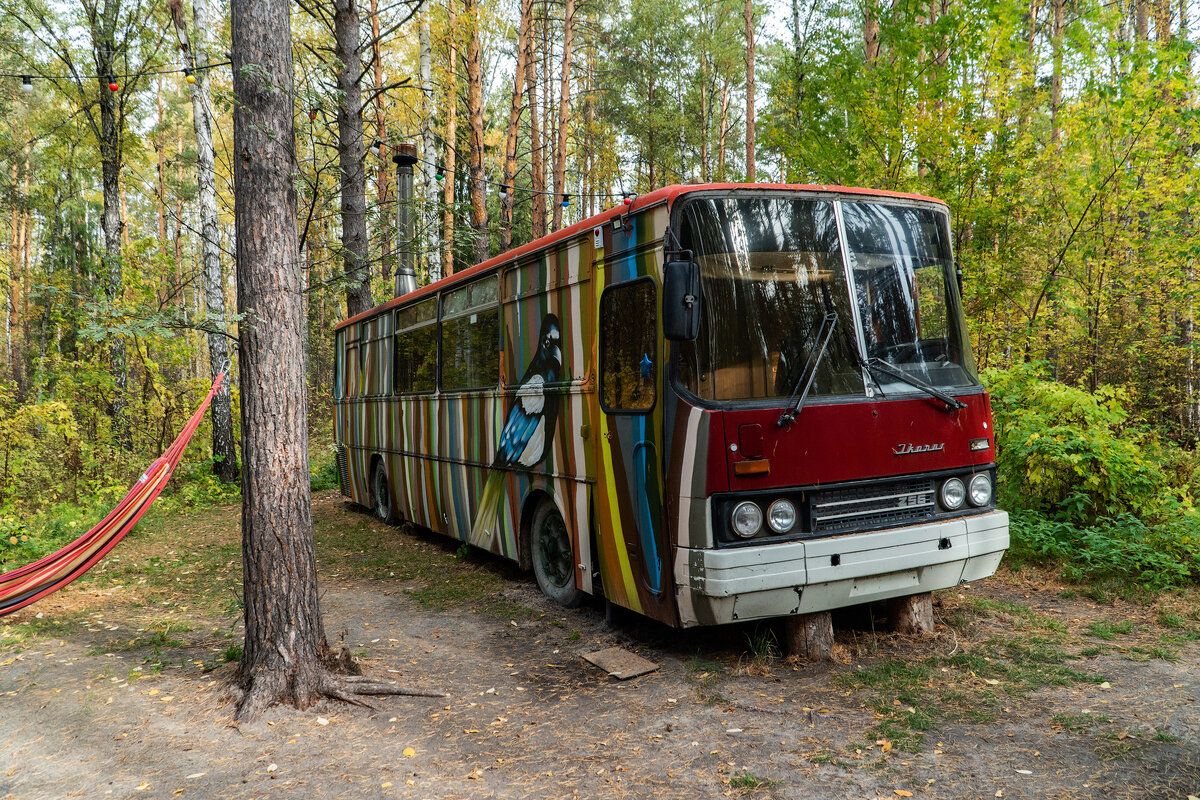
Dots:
{"x": 50, "y": 573}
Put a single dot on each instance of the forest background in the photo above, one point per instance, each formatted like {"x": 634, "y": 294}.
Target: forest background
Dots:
{"x": 1064, "y": 136}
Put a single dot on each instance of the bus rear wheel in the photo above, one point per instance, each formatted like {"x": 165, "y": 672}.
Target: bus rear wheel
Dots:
{"x": 553, "y": 557}
{"x": 381, "y": 495}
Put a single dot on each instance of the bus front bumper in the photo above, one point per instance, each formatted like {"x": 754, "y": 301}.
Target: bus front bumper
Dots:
{"x": 777, "y": 580}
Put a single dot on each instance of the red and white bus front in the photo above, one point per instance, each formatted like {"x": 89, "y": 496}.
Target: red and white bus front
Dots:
{"x": 829, "y": 440}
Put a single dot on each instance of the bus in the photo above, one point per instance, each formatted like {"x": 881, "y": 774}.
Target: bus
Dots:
{"x": 712, "y": 403}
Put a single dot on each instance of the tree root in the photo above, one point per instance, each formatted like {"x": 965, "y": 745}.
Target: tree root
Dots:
{"x": 353, "y": 688}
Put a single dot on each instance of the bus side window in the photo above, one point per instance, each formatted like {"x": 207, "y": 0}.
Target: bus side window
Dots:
{"x": 471, "y": 336}
{"x": 628, "y": 346}
{"x": 416, "y": 348}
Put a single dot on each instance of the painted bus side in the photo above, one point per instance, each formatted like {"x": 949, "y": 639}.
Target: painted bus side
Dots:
{"x": 601, "y": 468}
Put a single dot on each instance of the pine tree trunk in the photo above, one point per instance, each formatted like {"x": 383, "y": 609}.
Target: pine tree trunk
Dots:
{"x": 224, "y": 447}
{"x": 724, "y": 130}
{"x": 514, "y": 120}
{"x": 451, "y": 134}
{"x": 475, "y": 125}
{"x": 284, "y": 633}
{"x": 351, "y": 153}
{"x": 428, "y": 156}
{"x": 750, "y": 154}
{"x": 385, "y": 165}
{"x": 564, "y": 97}
{"x": 537, "y": 213}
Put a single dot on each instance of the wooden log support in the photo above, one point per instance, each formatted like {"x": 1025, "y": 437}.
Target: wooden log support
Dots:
{"x": 809, "y": 636}
{"x": 911, "y": 615}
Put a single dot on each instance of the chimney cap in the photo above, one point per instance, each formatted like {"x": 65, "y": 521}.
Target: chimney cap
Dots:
{"x": 406, "y": 154}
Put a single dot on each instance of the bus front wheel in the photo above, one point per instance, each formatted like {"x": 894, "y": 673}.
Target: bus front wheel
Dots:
{"x": 553, "y": 557}
{"x": 381, "y": 495}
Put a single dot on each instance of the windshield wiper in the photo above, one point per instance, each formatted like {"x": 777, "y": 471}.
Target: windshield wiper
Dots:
{"x": 952, "y": 403}
{"x": 805, "y": 382}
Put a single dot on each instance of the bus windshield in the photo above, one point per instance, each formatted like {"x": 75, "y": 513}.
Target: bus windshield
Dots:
{"x": 772, "y": 268}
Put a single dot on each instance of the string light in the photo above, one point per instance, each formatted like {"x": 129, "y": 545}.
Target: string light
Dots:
{"x": 112, "y": 80}
{"x": 439, "y": 173}
{"x": 504, "y": 191}
{"x": 378, "y": 149}
{"x": 566, "y": 201}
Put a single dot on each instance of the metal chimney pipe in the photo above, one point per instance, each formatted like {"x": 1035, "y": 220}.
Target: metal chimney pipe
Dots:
{"x": 406, "y": 274}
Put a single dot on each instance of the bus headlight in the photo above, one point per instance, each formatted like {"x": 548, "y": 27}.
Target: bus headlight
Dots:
{"x": 953, "y": 494}
{"x": 746, "y": 519}
{"x": 781, "y": 516}
{"x": 980, "y": 491}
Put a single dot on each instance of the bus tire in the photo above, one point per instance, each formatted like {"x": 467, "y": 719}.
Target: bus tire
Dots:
{"x": 553, "y": 557}
{"x": 381, "y": 495}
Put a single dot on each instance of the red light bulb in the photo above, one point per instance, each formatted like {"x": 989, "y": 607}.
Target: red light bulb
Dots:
{"x": 112, "y": 87}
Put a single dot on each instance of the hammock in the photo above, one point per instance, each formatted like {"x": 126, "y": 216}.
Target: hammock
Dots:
{"x": 50, "y": 573}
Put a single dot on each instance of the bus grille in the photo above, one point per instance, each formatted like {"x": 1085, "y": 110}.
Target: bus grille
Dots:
{"x": 343, "y": 470}
{"x": 875, "y": 506}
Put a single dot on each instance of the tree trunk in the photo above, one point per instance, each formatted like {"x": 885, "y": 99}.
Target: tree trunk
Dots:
{"x": 1056, "y": 40}
{"x": 350, "y": 158}
{"x": 223, "y": 445}
{"x": 514, "y": 120}
{"x": 809, "y": 637}
{"x": 724, "y": 130}
{"x": 427, "y": 149}
{"x": 451, "y": 134}
{"x": 750, "y": 155}
{"x": 161, "y": 151}
{"x": 475, "y": 125}
{"x": 564, "y": 97}
{"x": 385, "y": 164}
{"x": 285, "y": 637}
{"x": 537, "y": 213}
{"x": 870, "y": 33}
{"x": 911, "y": 615}
{"x": 111, "y": 126}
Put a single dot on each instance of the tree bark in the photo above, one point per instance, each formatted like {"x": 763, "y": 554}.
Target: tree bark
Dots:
{"x": 1056, "y": 40}
{"x": 451, "y": 134}
{"x": 428, "y": 155}
{"x": 537, "y": 213}
{"x": 382, "y": 183}
{"x": 724, "y": 130}
{"x": 514, "y": 120}
{"x": 223, "y": 445}
{"x": 750, "y": 154}
{"x": 351, "y": 153}
{"x": 110, "y": 140}
{"x": 870, "y": 33}
{"x": 564, "y": 97}
{"x": 285, "y": 638}
{"x": 475, "y": 126}
{"x": 911, "y": 615}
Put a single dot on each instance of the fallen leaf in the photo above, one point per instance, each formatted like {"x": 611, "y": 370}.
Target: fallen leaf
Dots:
{"x": 272, "y": 767}
{"x": 322, "y": 721}
{"x": 1024, "y": 772}
{"x": 409, "y": 752}
{"x": 385, "y": 785}
{"x": 903, "y": 792}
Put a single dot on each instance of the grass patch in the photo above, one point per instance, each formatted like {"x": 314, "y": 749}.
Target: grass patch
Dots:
{"x": 1103, "y": 629}
{"x": 1021, "y": 616}
{"x": 1166, "y": 738}
{"x": 1077, "y": 723}
{"x": 912, "y": 697}
{"x": 748, "y": 781}
{"x": 19, "y": 634}
{"x": 706, "y": 676}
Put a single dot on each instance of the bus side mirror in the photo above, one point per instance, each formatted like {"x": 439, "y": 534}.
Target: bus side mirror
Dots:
{"x": 681, "y": 300}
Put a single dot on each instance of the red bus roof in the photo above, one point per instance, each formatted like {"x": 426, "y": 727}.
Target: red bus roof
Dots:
{"x": 667, "y": 194}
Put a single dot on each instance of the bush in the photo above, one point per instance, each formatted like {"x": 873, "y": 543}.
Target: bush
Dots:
{"x": 1072, "y": 454}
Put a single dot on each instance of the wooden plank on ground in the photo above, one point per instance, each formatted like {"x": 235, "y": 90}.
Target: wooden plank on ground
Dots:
{"x": 620, "y": 663}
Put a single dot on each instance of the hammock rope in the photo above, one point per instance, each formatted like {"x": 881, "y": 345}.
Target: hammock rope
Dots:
{"x": 48, "y": 574}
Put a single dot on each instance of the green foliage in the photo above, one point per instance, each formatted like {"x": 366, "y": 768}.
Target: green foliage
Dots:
{"x": 1072, "y": 453}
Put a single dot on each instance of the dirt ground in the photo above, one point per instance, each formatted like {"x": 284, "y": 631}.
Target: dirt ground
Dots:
{"x": 1028, "y": 690}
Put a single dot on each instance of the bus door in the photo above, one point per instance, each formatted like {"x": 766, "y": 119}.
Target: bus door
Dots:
{"x": 634, "y": 554}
